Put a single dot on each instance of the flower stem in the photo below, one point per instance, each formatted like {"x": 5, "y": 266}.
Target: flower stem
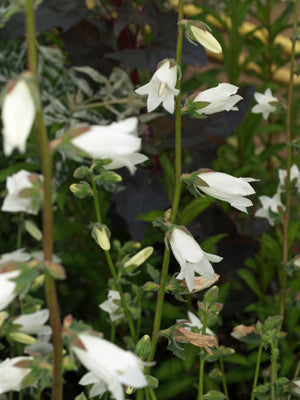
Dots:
{"x": 288, "y": 165}
{"x": 224, "y": 378}
{"x": 201, "y": 369}
{"x": 110, "y": 262}
{"x": 50, "y": 288}
{"x": 273, "y": 370}
{"x": 176, "y": 195}
{"x": 257, "y": 368}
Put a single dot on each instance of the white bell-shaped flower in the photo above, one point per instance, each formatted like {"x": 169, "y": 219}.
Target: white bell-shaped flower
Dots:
{"x": 161, "y": 88}
{"x": 33, "y": 324}
{"x": 270, "y": 207}
{"x": 264, "y": 105}
{"x": 191, "y": 258}
{"x": 15, "y": 201}
{"x": 111, "y": 307}
{"x": 294, "y": 177}
{"x": 18, "y": 113}
{"x": 7, "y": 286}
{"x": 221, "y": 98}
{"x": 12, "y": 375}
{"x": 118, "y": 141}
{"x": 227, "y": 188}
{"x": 110, "y": 366}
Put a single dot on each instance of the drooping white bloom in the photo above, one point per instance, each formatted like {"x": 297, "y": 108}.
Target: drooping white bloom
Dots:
{"x": 16, "y": 256}
{"x": 117, "y": 141}
{"x": 7, "y": 286}
{"x": 294, "y": 176}
{"x": 221, "y": 98}
{"x": 264, "y": 107}
{"x": 191, "y": 258}
{"x": 161, "y": 88}
{"x": 227, "y": 188}
{"x": 33, "y": 324}
{"x": 110, "y": 306}
{"x": 12, "y": 376}
{"x": 42, "y": 345}
{"x": 110, "y": 366}
{"x": 14, "y": 201}
{"x": 272, "y": 204}
{"x": 18, "y": 112}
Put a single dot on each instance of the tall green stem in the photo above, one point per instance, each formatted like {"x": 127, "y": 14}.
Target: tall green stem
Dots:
{"x": 257, "y": 368}
{"x": 176, "y": 196}
{"x": 273, "y": 370}
{"x": 224, "y": 378}
{"x": 288, "y": 164}
{"x": 111, "y": 264}
{"x": 50, "y": 289}
{"x": 201, "y": 369}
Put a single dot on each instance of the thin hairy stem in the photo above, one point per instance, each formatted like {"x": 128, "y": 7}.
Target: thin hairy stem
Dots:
{"x": 224, "y": 378}
{"x": 50, "y": 288}
{"x": 201, "y": 369}
{"x": 257, "y": 368}
{"x": 288, "y": 165}
{"x": 176, "y": 196}
{"x": 111, "y": 264}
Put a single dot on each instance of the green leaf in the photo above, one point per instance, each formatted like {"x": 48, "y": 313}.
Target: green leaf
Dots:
{"x": 154, "y": 273}
{"x": 261, "y": 392}
{"x": 214, "y": 395}
{"x": 151, "y": 215}
{"x": 194, "y": 208}
{"x": 81, "y": 396}
{"x": 251, "y": 281}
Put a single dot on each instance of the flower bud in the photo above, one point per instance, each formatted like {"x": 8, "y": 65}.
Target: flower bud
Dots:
{"x": 21, "y": 337}
{"x": 81, "y": 172}
{"x": 33, "y": 230}
{"x": 140, "y": 257}
{"x": 143, "y": 347}
{"x": 101, "y": 235}
{"x": 199, "y": 32}
{"x": 2, "y": 317}
{"x": 110, "y": 177}
{"x": 81, "y": 190}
